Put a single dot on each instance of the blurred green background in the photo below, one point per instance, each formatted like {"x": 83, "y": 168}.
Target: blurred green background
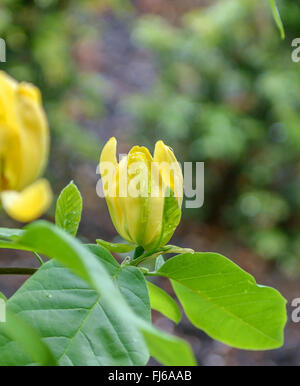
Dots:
{"x": 212, "y": 79}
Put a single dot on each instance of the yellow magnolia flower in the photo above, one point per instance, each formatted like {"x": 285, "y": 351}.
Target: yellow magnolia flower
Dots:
{"x": 24, "y": 145}
{"x": 143, "y": 194}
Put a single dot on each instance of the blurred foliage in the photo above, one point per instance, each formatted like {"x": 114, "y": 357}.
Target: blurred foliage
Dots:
{"x": 227, "y": 93}
{"x": 43, "y": 38}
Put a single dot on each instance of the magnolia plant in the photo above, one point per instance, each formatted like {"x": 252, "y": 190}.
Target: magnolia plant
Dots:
{"x": 84, "y": 307}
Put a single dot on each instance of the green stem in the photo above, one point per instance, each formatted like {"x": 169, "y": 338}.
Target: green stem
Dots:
{"x": 38, "y": 258}
{"x": 17, "y": 271}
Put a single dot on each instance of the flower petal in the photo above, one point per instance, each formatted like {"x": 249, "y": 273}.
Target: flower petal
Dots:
{"x": 108, "y": 153}
{"x": 169, "y": 168}
{"x": 109, "y": 170}
{"x": 8, "y": 87}
{"x": 24, "y": 128}
{"x": 33, "y": 134}
{"x": 29, "y": 204}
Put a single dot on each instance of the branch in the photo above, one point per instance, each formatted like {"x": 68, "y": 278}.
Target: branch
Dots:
{"x": 17, "y": 271}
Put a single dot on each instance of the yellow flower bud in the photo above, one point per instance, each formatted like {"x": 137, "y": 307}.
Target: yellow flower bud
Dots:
{"x": 24, "y": 146}
{"x": 143, "y": 193}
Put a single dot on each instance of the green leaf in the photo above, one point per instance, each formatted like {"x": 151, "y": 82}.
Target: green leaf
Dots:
{"x": 162, "y": 302}
{"x": 116, "y": 248}
{"x": 76, "y": 324}
{"x": 225, "y": 301}
{"x": 27, "y": 338}
{"x": 53, "y": 242}
{"x": 277, "y": 18}
{"x": 14, "y": 244}
{"x": 167, "y": 349}
{"x": 130, "y": 281}
{"x": 10, "y": 234}
{"x": 68, "y": 209}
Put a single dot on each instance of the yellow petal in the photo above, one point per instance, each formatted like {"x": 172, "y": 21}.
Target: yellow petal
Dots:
{"x": 156, "y": 200}
{"x": 8, "y": 87}
{"x": 169, "y": 168}
{"x": 109, "y": 170}
{"x": 30, "y": 91}
{"x": 142, "y": 212}
{"x": 9, "y": 144}
{"x": 108, "y": 153}
{"x": 29, "y": 204}
{"x": 33, "y": 134}
{"x": 136, "y": 172}
{"x": 24, "y": 127}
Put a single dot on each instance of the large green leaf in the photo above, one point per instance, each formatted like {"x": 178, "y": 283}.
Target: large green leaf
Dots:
{"x": 68, "y": 312}
{"x": 28, "y": 339}
{"x": 77, "y": 326}
{"x": 53, "y": 242}
{"x": 68, "y": 209}
{"x": 162, "y": 302}
{"x": 129, "y": 280}
{"x": 225, "y": 302}
{"x": 165, "y": 348}
{"x": 21, "y": 332}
